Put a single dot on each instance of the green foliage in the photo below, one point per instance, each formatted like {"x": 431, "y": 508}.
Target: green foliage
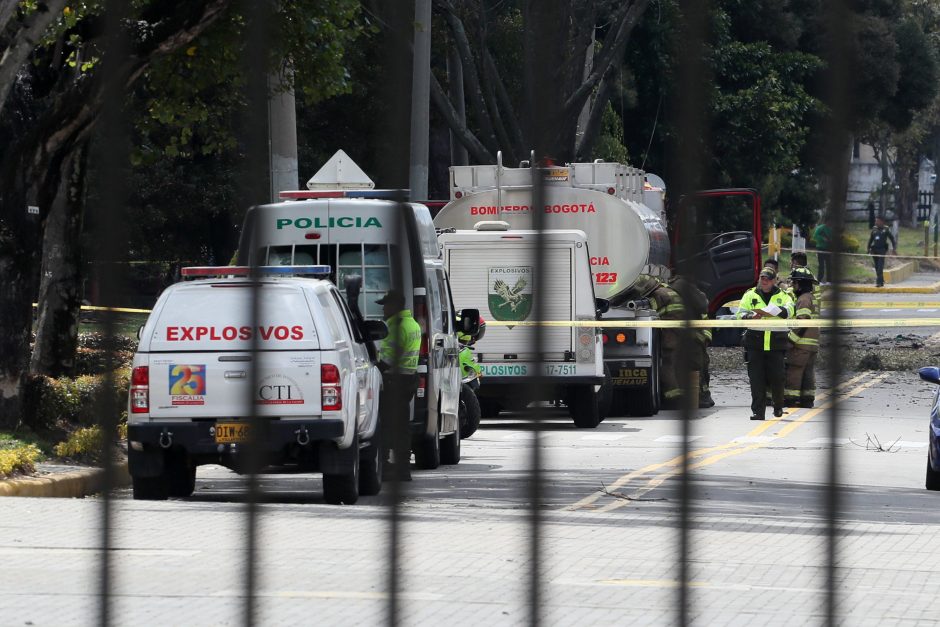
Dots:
{"x": 83, "y": 445}
{"x": 609, "y": 145}
{"x": 53, "y": 402}
{"x": 19, "y": 460}
{"x": 850, "y": 244}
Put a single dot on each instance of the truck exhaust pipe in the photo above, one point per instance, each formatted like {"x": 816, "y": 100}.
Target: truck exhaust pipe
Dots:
{"x": 641, "y": 303}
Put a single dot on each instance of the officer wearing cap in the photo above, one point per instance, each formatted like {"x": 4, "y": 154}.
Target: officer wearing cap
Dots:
{"x": 398, "y": 361}
{"x": 765, "y": 347}
{"x": 800, "y": 390}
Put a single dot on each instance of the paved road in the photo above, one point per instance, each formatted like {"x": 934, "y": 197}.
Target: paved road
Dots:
{"x": 609, "y": 532}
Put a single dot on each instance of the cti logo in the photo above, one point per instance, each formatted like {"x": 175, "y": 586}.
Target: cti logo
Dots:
{"x": 343, "y": 222}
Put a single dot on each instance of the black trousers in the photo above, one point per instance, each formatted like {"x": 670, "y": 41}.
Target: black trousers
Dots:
{"x": 879, "y": 267}
{"x": 395, "y": 413}
{"x": 765, "y": 369}
{"x": 825, "y": 273}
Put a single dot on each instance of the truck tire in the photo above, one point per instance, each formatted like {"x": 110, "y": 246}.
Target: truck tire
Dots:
{"x": 343, "y": 488}
{"x": 180, "y": 474}
{"x": 149, "y": 488}
{"x": 470, "y": 412}
{"x": 933, "y": 478}
{"x": 427, "y": 448}
{"x": 370, "y": 467}
{"x": 450, "y": 447}
{"x": 642, "y": 403}
{"x": 583, "y": 407}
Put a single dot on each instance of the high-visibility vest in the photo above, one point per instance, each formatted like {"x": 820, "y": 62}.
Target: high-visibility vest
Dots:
{"x": 402, "y": 342}
{"x": 753, "y": 299}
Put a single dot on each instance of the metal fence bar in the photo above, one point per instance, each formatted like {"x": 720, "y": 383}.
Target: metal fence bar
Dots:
{"x": 112, "y": 154}
{"x": 255, "y": 190}
{"x": 689, "y": 113}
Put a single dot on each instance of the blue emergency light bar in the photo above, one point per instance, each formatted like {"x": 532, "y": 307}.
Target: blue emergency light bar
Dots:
{"x": 203, "y": 271}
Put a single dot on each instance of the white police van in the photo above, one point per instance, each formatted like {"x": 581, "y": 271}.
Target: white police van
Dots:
{"x": 205, "y": 366}
{"x": 357, "y": 231}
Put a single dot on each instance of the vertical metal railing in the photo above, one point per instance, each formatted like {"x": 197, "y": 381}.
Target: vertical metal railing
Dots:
{"x": 689, "y": 121}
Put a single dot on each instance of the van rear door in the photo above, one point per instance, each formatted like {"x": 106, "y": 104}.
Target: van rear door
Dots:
{"x": 199, "y": 345}
{"x": 497, "y": 278}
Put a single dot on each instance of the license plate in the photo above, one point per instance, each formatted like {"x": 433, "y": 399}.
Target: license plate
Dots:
{"x": 232, "y": 432}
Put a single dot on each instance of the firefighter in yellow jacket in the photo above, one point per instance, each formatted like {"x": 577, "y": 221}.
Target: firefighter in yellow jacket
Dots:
{"x": 668, "y": 304}
{"x": 800, "y": 389}
{"x": 765, "y": 347}
{"x": 697, "y": 302}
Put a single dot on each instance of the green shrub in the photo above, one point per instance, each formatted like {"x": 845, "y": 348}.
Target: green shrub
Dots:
{"x": 74, "y": 401}
{"x": 21, "y": 459}
{"x": 83, "y": 445}
{"x": 850, "y": 244}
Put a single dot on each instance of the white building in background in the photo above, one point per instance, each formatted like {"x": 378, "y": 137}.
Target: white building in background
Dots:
{"x": 865, "y": 182}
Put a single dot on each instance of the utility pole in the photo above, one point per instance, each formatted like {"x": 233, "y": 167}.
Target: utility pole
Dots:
{"x": 420, "y": 101}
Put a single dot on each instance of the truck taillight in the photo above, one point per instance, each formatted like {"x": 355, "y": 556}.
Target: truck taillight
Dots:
{"x": 422, "y": 386}
{"x": 585, "y": 348}
{"x": 331, "y": 392}
{"x": 140, "y": 390}
{"x": 421, "y": 317}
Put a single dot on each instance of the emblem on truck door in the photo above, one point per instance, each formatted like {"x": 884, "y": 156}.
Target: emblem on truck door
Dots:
{"x": 509, "y": 292}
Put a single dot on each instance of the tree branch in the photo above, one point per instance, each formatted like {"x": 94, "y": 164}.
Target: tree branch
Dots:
{"x": 24, "y": 41}
{"x": 611, "y": 55}
{"x": 473, "y": 90}
{"x": 476, "y": 148}
{"x": 595, "y": 118}
{"x": 514, "y": 140}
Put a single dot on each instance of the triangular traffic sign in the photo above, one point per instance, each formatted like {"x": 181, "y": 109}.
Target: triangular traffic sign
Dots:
{"x": 340, "y": 172}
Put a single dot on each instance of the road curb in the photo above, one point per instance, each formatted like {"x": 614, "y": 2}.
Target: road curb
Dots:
{"x": 871, "y": 289}
{"x": 77, "y": 484}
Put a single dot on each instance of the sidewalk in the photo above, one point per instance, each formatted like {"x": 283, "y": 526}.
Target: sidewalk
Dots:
{"x": 62, "y": 480}
{"x": 916, "y": 283}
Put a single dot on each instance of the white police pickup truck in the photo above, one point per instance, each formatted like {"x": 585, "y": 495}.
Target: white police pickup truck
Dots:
{"x": 304, "y": 367}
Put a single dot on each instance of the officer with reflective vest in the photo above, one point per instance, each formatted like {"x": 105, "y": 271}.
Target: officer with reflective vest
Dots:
{"x": 765, "y": 348}
{"x": 668, "y": 305}
{"x": 697, "y": 302}
{"x": 800, "y": 390}
{"x": 398, "y": 361}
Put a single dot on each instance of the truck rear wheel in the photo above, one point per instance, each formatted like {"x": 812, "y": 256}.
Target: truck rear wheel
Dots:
{"x": 370, "y": 467}
{"x": 450, "y": 447}
{"x": 149, "y": 488}
{"x": 470, "y": 412}
{"x": 427, "y": 448}
{"x": 179, "y": 473}
{"x": 343, "y": 488}
{"x": 583, "y": 405}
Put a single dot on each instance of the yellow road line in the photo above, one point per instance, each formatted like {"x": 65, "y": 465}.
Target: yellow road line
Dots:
{"x": 677, "y": 461}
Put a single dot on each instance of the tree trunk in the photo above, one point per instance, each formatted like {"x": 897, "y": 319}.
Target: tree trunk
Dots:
{"x": 60, "y": 287}
{"x": 19, "y": 243}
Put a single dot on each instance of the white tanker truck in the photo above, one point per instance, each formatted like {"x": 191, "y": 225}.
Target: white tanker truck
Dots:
{"x": 623, "y": 216}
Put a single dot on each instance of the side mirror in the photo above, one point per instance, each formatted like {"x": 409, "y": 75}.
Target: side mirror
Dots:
{"x": 601, "y": 305}
{"x": 374, "y": 330}
{"x": 469, "y": 321}
{"x": 931, "y": 374}
{"x": 140, "y": 332}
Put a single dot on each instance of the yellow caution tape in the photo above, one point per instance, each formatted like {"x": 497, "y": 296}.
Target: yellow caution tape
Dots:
{"x": 829, "y": 252}
{"x": 862, "y": 304}
{"x": 764, "y": 323}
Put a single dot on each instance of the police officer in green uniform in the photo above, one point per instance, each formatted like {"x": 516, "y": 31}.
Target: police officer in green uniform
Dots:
{"x": 398, "y": 361}
{"x": 765, "y": 347}
{"x": 800, "y": 390}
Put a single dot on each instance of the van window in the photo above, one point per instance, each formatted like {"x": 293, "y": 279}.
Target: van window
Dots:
{"x": 370, "y": 261}
{"x": 447, "y": 303}
{"x": 349, "y": 319}
{"x": 434, "y": 295}
{"x": 328, "y": 308}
